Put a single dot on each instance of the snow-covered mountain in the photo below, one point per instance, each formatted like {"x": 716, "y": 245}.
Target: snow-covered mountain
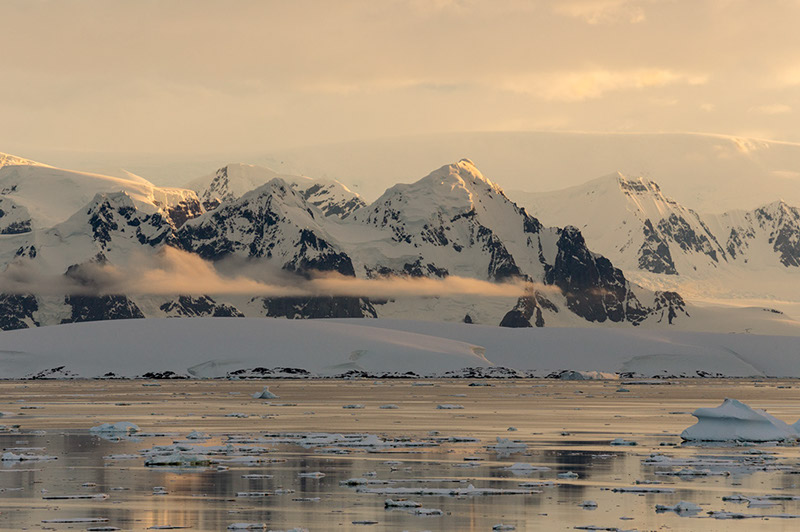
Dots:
{"x": 763, "y": 235}
{"x": 275, "y": 222}
{"x": 631, "y": 221}
{"x": 40, "y": 196}
{"x": 452, "y": 224}
{"x": 664, "y": 245}
{"x": 235, "y": 180}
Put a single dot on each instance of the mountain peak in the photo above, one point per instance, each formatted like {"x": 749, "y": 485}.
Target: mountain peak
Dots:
{"x": 463, "y": 174}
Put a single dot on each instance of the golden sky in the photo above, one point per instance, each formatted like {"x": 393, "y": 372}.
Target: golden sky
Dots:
{"x": 192, "y": 76}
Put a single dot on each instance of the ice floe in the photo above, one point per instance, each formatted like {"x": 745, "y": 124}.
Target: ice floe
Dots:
{"x": 735, "y": 421}
{"x": 265, "y": 394}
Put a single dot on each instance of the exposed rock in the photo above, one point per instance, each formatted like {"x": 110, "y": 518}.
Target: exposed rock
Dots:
{"x": 188, "y": 306}
{"x": 97, "y": 308}
{"x": 318, "y": 307}
{"x": 17, "y": 311}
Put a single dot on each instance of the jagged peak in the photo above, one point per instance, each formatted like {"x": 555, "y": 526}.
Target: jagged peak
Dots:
{"x": 778, "y": 207}
{"x": 276, "y": 186}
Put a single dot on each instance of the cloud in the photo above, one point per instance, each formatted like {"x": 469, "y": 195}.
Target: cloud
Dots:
{"x": 171, "y": 272}
{"x": 590, "y": 84}
{"x": 602, "y": 11}
{"x": 771, "y": 109}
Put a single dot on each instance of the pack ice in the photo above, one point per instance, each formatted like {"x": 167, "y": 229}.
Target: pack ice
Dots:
{"x": 734, "y": 420}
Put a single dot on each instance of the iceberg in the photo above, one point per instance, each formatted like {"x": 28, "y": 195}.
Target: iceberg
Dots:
{"x": 735, "y": 421}
{"x": 265, "y": 394}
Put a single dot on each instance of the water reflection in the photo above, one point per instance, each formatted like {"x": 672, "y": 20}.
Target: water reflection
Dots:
{"x": 207, "y": 498}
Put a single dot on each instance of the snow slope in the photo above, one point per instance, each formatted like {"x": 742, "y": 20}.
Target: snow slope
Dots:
{"x": 213, "y": 347}
{"x": 209, "y": 347}
{"x": 645, "y": 351}
{"x": 51, "y": 195}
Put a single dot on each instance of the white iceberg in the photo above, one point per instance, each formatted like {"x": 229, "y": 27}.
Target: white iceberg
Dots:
{"x": 265, "y": 394}
{"x": 683, "y": 507}
{"x": 118, "y": 428}
{"x": 734, "y": 420}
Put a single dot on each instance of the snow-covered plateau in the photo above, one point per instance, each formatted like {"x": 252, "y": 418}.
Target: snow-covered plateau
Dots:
{"x": 270, "y": 348}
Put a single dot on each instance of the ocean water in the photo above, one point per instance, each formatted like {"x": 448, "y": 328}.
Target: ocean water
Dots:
{"x": 282, "y": 462}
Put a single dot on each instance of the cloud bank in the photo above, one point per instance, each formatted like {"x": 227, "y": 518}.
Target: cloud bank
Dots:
{"x": 172, "y": 272}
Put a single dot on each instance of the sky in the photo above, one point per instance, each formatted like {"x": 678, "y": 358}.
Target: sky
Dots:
{"x": 221, "y": 76}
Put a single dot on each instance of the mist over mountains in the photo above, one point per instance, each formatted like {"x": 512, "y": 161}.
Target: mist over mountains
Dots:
{"x": 249, "y": 241}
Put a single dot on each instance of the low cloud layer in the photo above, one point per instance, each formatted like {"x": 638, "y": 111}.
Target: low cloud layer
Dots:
{"x": 172, "y": 272}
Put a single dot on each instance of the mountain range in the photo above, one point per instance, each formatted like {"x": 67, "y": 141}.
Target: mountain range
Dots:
{"x": 80, "y": 247}
{"x": 663, "y": 244}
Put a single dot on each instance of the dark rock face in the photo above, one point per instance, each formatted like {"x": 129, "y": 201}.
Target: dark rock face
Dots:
{"x": 669, "y": 305}
{"x": 515, "y": 319}
{"x": 594, "y": 289}
{"x": 98, "y": 308}
{"x": 679, "y": 230}
{"x": 501, "y": 264}
{"x": 267, "y": 373}
{"x": 529, "y": 307}
{"x": 14, "y": 219}
{"x": 183, "y": 211}
{"x": 654, "y": 255}
{"x": 318, "y": 307}
{"x": 16, "y": 311}
{"x": 256, "y": 226}
{"x": 787, "y": 245}
{"x": 315, "y": 254}
{"x": 112, "y": 215}
{"x": 188, "y": 306}
{"x": 779, "y": 223}
{"x": 16, "y": 228}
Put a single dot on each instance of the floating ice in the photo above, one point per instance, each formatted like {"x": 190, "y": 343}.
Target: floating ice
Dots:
{"x": 522, "y": 468}
{"x": 178, "y": 458}
{"x": 734, "y": 420}
{"x": 620, "y": 441}
{"x": 643, "y": 489}
{"x": 449, "y": 407}
{"x": 120, "y": 428}
{"x": 11, "y": 457}
{"x": 401, "y": 503}
{"x": 312, "y": 474}
{"x": 507, "y": 445}
{"x": 682, "y": 507}
{"x": 76, "y": 520}
{"x": 265, "y": 394}
{"x": 446, "y": 492}
{"x": 77, "y": 496}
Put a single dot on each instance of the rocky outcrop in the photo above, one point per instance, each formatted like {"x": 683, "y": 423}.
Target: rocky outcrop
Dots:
{"x": 97, "y": 308}
{"x": 17, "y": 311}
{"x": 317, "y": 307}
{"x": 195, "y": 307}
